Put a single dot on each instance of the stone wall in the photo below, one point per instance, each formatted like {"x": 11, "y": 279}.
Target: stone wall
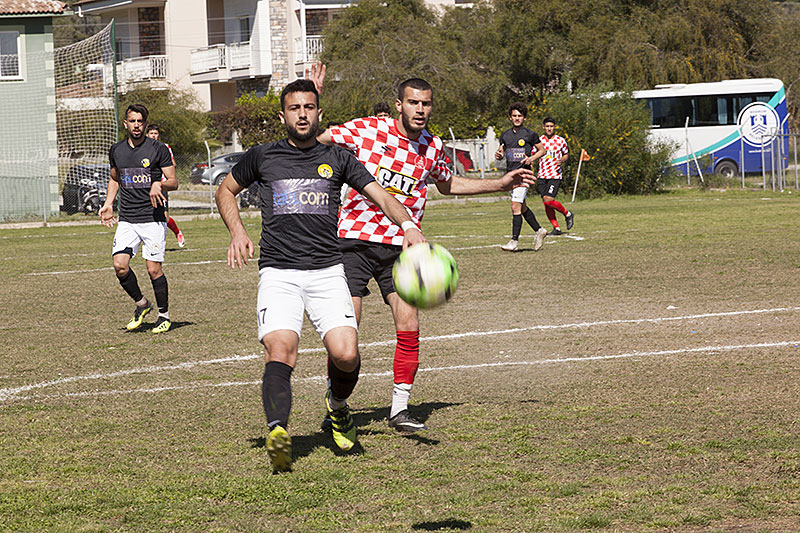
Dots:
{"x": 150, "y": 32}
{"x": 279, "y": 32}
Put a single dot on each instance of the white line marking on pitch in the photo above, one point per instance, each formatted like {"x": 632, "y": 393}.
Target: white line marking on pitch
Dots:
{"x": 323, "y": 379}
{"x": 112, "y": 268}
{"x": 10, "y": 392}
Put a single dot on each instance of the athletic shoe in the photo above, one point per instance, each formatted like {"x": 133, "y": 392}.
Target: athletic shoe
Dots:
{"x": 162, "y": 325}
{"x": 138, "y": 316}
{"x": 555, "y": 231}
{"x": 327, "y": 424}
{"x": 570, "y": 220}
{"x": 342, "y": 427}
{"x": 538, "y": 240}
{"x": 511, "y": 246}
{"x": 182, "y": 240}
{"x": 279, "y": 449}
{"x": 405, "y": 423}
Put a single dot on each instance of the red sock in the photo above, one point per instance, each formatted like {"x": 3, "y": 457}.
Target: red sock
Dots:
{"x": 406, "y": 356}
{"x": 173, "y": 226}
{"x": 551, "y": 215}
{"x": 555, "y": 204}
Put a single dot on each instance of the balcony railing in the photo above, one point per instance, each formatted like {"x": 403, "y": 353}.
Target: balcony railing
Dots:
{"x": 136, "y": 69}
{"x": 314, "y": 44}
{"x": 221, "y": 57}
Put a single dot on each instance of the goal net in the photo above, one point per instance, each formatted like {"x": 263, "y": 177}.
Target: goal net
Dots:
{"x": 63, "y": 116}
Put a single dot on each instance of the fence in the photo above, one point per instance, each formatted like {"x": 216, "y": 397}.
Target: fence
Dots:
{"x": 780, "y": 156}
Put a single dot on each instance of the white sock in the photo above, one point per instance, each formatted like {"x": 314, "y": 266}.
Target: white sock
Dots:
{"x": 334, "y": 403}
{"x": 164, "y": 315}
{"x": 400, "y": 396}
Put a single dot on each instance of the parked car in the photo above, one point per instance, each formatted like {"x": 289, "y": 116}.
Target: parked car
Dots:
{"x": 220, "y": 167}
{"x": 85, "y": 189}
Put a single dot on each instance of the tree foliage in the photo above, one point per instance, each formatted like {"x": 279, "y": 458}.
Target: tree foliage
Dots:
{"x": 176, "y": 112}
{"x": 254, "y": 119}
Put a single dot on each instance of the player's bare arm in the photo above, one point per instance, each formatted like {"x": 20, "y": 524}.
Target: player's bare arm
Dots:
{"x": 241, "y": 247}
{"x": 540, "y": 151}
{"x": 107, "y": 211}
{"x": 469, "y": 186}
{"x": 395, "y": 211}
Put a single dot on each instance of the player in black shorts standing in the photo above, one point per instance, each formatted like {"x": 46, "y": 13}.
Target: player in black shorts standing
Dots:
{"x": 300, "y": 264}
{"x": 138, "y": 165}
{"x": 516, "y": 145}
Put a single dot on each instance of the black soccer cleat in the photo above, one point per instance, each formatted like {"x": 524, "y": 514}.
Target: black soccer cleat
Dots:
{"x": 555, "y": 231}
{"x": 405, "y": 423}
{"x": 570, "y": 220}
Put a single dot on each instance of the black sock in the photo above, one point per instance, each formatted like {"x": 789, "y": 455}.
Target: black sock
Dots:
{"x": 131, "y": 286}
{"x": 516, "y": 227}
{"x": 162, "y": 293}
{"x": 276, "y": 393}
{"x": 342, "y": 383}
{"x": 531, "y": 220}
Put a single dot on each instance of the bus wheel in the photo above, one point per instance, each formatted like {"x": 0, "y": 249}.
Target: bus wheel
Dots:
{"x": 727, "y": 169}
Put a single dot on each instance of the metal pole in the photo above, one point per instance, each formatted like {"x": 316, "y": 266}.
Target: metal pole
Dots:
{"x": 210, "y": 181}
{"x": 763, "y": 168}
{"x": 741, "y": 159}
{"x": 575, "y": 187}
{"x": 686, "y": 132}
{"x": 794, "y": 138}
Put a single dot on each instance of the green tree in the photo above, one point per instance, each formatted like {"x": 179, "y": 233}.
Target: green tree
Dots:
{"x": 175, "y": 111}
{"x": 254, "y": 119}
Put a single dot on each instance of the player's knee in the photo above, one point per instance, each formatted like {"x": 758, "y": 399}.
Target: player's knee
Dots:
{"x": 155, "y": 270}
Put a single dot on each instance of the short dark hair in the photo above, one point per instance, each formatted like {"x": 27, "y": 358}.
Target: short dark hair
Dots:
{"x": 151, "y": 127}
{"x": 381, "y": 107}
{"x": 548, "y": 119}
{"x": 137, "y": 108}
{"x": 414, "y": 83}
{"x": 299, "y": 86}
{"x": 518, "y": 106}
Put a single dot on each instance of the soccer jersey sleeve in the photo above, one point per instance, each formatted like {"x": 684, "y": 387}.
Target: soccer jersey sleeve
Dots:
{"x": 356, "y": 175}
{"x": 246, "y": 171}
{"x": 440, "y": 173}
{"x": 111, "y": 160}
{"x": 533, "y": 139}
{"x": 350, "y": 134}
{"x": 164, "y": 156}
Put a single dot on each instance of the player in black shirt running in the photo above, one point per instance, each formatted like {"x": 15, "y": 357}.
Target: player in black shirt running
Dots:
{"x": 299, "y": 183}
{"x": 138, "y": 165}
{"x": 516, "y": 145}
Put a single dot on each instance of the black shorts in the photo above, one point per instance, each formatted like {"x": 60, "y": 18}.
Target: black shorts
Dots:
{"x": 365, "y": 260}
{"x": 548, "y": 187}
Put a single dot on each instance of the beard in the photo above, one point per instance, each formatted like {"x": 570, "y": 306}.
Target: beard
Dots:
{"x": 303, "y": 137}
{"x": 410, "y": 126}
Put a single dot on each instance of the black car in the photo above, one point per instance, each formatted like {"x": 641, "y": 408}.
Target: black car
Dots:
{"x": 220, "y": 167}
{"x": 85, "y": 189}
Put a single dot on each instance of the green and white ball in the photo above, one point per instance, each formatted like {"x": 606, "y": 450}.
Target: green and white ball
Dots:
{"x": 425, "y": 275}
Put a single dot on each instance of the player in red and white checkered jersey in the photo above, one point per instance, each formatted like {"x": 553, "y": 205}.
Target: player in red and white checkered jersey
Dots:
{"x": 548, "y": 179}
{"x": 402, "y": 155}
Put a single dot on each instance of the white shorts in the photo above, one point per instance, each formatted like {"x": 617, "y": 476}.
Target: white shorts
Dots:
{"x": 283, "y": 295}
{"x": 152, "y": 234}
{"x": 518, "y": 194}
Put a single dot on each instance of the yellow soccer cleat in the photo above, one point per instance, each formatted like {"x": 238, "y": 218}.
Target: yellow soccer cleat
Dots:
{"x": 279, "y": 449}
{"x": 342, "y": 427}
{"x": 138, "y": 316}
{"x": 162, "y": 325}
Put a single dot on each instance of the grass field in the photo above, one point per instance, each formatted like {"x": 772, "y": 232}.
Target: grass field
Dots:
{"x": 640, "y": 373}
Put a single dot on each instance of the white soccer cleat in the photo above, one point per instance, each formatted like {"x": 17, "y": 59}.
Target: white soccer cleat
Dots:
{"x": 512, "y": 246}
{"x": 538, "y": 240}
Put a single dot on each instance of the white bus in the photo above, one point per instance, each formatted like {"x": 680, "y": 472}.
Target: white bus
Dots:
{"x": 733, "y": 122}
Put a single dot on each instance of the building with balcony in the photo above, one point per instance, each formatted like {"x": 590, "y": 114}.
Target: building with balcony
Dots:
{"x": 219, "y": 48}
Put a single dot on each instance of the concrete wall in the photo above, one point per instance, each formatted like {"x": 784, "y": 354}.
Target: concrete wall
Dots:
{"x": 28, "y": 143}
{"x": 186, "y": 23}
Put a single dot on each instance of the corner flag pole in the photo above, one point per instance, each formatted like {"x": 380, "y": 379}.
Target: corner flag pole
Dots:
{"x": 584, "y": 157}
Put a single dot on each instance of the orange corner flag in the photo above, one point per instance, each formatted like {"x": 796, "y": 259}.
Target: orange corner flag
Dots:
{"x": 585, "y": 155}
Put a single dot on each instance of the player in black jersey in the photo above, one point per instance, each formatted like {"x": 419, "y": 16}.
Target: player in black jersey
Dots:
{"x": 300, "y": 263}
{"x": 516, "y": 146}
{"x": 141, "y": 172}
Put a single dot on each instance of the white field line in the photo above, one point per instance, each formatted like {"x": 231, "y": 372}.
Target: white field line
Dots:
{"x": 57, "y": 273}
{"x": 11, "y": 392}
{"x": 323, "y": 379}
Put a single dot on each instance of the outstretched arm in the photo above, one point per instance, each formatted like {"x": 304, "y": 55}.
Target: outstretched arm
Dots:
{"x": 468, "y": 186}
{"x": 396, "y": 213}
{"x": 241, "y": 247}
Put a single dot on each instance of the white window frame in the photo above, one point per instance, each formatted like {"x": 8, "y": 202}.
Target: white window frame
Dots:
{"x": 20, "y": 75}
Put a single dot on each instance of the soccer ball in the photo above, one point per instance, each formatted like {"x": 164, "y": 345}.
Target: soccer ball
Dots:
{"x": 425, "y": 275}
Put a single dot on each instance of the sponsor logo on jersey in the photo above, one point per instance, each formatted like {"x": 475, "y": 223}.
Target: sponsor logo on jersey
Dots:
{"x": 386, "y": 149}
{"x": 395, "y": 182}
{"x": 325, "y": 171}
{"x": 134, "y": 178}
{"x": 521, "y": 142}
{"x": 515, "y": 154}
{"x": 301, "y": 197}
{"x": 145, "y": 162}
{"x": 419, "y": 161}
